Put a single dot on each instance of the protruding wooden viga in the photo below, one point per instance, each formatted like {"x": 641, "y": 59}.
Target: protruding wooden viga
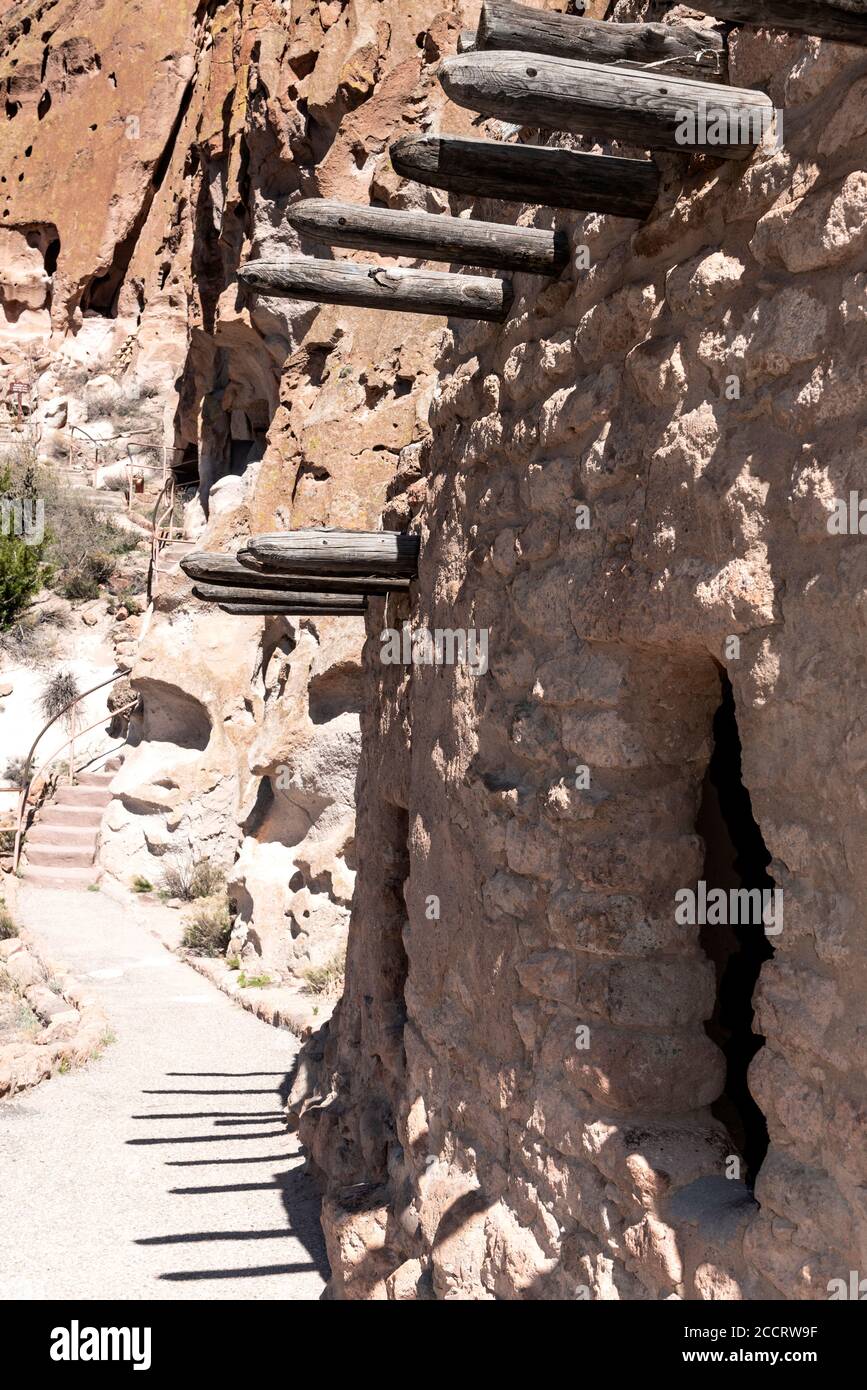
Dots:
{"x": 431, "y": 237}
{"x": 244, "y": 571}
{"x": 375, "y": 287}
{"x": 681, "y": 49}
{"x": 646, "y": 109}
{"x": 333, "y": 552}
{"x": 529, "y": 174}
{"x": 282, "y": 598}
{"x": 282, "y": 609}
{"x": 819, "y": 17}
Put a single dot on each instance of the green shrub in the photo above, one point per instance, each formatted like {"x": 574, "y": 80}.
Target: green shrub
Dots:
{"x": 141, "y": 885}
{"x": 208, "y": 927}
{"x": 23, "y": 571}
{"x": 128, "y": 601}
{"x": 8, "y": 928}
{"x": 187, "y": 877}
{"x": 326, "y": 979}
{"x": 81, "y": 545}
{"x": 254, "y": 981}
{"x": 58, "y": 694}
{"x": 16, "y": 771}
{"x": 82, "y": 581}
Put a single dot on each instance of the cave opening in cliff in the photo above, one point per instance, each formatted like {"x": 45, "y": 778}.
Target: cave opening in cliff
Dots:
{"x": 736, "y": 858}
{"x": 393, "y": 962}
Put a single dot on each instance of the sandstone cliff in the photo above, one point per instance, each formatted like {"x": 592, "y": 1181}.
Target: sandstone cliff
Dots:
{"x": 182, "y": 156}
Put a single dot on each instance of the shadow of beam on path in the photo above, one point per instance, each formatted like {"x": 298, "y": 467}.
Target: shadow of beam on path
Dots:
{"x": 296, "y": 1189}
{"x": 190, "y": 1274}
{"x": 211, "y": 1138}
{"x": 211, "y": 1162}
{"x": 232, "y": 1074}
{"x": 268, "y": 1091}
{"x": 227, "y": 1187}
{"x": 248, "y": 1117}
{"x": 280, "y": 1234}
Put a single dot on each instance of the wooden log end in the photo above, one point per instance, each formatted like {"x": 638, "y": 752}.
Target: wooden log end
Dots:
{"x": 822, "y": 18}
{"x": 378, "y": 287}
{"x": 531, "y": 174}
{"x": 250, "y": 610}
{"x": 646, "y": 108}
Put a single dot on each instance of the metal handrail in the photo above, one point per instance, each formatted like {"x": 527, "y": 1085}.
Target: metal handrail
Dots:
{"x": 28, "y": 780}
{"x": 33, "y": 780}
{"x": 159, "y": 538}
{"x": 95, "y": 442}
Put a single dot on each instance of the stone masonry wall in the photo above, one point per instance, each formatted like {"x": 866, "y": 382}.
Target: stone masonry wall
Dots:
{"x": 700, "y": 389}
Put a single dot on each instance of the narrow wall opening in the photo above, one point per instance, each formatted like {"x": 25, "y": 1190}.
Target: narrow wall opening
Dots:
{"x": 735, "y": 858}
{"x": 393, "y": 963}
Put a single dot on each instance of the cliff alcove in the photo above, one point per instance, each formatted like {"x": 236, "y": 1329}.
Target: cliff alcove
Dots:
{"x": 735, "y": 858}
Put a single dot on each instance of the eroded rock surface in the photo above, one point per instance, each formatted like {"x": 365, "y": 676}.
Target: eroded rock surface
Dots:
{"x": 246, "y": 748}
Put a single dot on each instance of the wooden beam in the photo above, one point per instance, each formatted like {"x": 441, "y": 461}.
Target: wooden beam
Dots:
{"x": 278, "y": 610}
{"x": 208, "y": 568}
{"x": 374, "y": 287}
{"x": 331, "y": 552}
{"x": 529, "y": 174}
{"x": 243, "y": 571}
{"x": 804, "y": 16}
{"x": 669, "y": 48}
{"x": 284, "y": 598}
{"x": 373, "y": 584}
{"x": 431, "y": 237}
{"x": 653, "y": 112}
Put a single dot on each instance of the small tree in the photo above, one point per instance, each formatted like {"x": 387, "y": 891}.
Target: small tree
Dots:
{"x": 22, "y": 572}
{"x": 57, "y": 698}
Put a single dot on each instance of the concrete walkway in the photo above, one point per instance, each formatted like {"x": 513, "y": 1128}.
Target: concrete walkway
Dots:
{"x": 163, "y": 1170}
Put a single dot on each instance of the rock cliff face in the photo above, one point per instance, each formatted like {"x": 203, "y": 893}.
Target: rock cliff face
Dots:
{"x": 187, "y": 154}
{"x": 297, "y": 417}
{"x": 540, "y": 1083}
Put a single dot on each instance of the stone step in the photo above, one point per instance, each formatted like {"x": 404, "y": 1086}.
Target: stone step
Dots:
{"x": 85, "y": 816}
{"x": 50, "y": 833}
{"x": 61, "y": 876}
{"x": 72, "y": 856}
{"x": 82, "y": 796}
{"x": 95, "y": 779}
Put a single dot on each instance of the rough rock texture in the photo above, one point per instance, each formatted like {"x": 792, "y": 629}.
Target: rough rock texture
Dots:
{"x": 247, "y": 747}
{"x": 296, "y": 417}
{"x": 700, "y": 389}
{"x": 93, "y": 124}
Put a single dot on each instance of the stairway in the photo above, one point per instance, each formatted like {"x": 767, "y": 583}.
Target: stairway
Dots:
{"x": 172, "y": 553}
{"x": 61, "y": 847}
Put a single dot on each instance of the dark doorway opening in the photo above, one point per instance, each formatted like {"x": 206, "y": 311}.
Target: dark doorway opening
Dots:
{"x": 735, "y": 858}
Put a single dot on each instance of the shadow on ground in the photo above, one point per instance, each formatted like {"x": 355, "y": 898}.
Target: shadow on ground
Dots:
{"x": 297, "y": 1190}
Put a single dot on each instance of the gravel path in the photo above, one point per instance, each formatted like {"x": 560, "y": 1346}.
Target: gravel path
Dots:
{"x": 163, "y": 1170}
